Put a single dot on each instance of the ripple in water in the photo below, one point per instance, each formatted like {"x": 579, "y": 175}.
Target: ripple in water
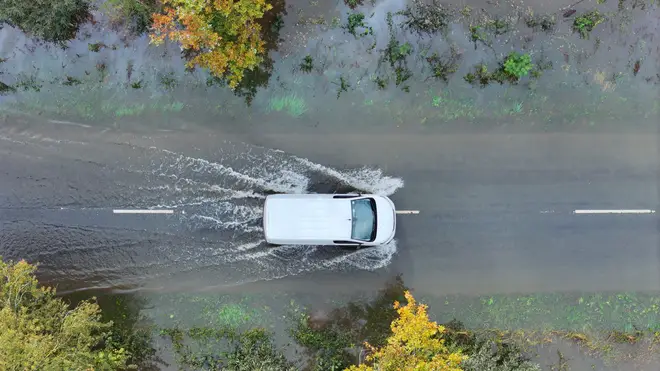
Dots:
{"x": 215, "y": 232}
{"x": 236, "y": 211}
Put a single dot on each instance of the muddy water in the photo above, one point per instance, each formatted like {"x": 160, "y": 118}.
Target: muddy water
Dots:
{"x": 58, "y": 195}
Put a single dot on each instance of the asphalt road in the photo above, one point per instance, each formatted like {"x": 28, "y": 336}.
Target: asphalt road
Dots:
{"x": 496, "y": 210}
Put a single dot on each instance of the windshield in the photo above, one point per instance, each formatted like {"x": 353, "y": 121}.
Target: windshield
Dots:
{"x": 364, "y": 219}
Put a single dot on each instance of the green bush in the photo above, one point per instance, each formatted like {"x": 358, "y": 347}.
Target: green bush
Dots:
{"x": 226, "y": 349}
{"x": 486, "y": 352}
{"x": 48, "y": 20}
{"x": 585, "y": 23}
{"x": 356, "y": 20}
{"x": 517, "y": 65}
{"x": 490, "y": 356}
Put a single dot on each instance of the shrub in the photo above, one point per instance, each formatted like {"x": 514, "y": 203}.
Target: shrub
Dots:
{"x": 353, "y": 3}
{"x": 517, "y": 65}
{"x": 490, "y": 356}
{"x": 416, "y": 343}
{"x": 49, "y": 20}
{"x": 356, "y": 20}
{"x": 585, "y": 23}
{"x": 307, "y": 64}
{"x": 203, "y": 348}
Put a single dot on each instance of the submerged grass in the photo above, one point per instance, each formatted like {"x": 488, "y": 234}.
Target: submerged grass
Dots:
{"x": 427, "y": 18}
{"x": 395, "y": 55}
{"x": 448, "y": 108}
{"x": 92, "y": 104}
{"x": 546, "y": 22}
{"x": 292, "y": 104}
{"x": 604, "y": 325}
{"x": 396, "y": 64}
{"x": 443, "y": 67}
{"x": 307, "y": 64}
{"x": 601, "y": 323}
{"x": 213, "y": 311}
{"x": 99, "y": 103}
{"x": 624, "y": 312}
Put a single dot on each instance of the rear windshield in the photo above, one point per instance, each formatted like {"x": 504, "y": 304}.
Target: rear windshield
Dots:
{"x": 364, "y": 219}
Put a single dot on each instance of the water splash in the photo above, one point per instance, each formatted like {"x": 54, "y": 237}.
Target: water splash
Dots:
{"x": 283, "y": 181}
{"x": 366, "y": 179}
{"x": 217, "y": 224}
{"x": 272, "y": 171}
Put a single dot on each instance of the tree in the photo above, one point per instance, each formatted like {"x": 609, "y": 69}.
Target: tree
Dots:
{"x": 49, "y": 20}
{"x": 132, "y": 329}
{"x": 416, "y": 343}
{"x": 39, "y": 331}
{"x": 221, "y": 35}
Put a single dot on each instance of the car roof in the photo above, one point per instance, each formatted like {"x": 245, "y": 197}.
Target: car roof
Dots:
{"x": 311, "y": 217}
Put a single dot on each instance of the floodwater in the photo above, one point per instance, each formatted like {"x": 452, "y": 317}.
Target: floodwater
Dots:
{"x": 496, "y": 171}
{"x": 58, "y": 196}
{"x": 594, "y": 82}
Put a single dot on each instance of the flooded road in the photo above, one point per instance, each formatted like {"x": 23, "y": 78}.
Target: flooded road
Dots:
{"x": 60, "y": 186}
{"x": 497, "y": 171}
{"x": 496, "y": 210}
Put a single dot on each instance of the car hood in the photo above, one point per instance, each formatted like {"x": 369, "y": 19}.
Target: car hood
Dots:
{"x": 386, "y": 220}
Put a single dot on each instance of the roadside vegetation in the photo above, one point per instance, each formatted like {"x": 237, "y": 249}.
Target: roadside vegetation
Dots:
{"x": 232, "y": 46}
{"x": 51, "y": 21}
{"x": 222, "y": 36}
{"x": 512, "y": 69}
{"x": 235, "y": 52}
{"x": 135, "y": 16}
{"x": 585, "y": 23}
{"x": 40, "y": 331}
{"x": 389, "y": 331}
{"x": 392, "y": 331}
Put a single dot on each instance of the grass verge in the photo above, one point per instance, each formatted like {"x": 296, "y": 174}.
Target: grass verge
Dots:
{"x": 601, "y": 323}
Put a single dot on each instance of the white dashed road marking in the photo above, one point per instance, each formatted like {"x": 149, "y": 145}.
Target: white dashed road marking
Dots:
{"x": 119, "y": 211}
{"x": 617, "y": 211}
{"x": 407, "y": 211}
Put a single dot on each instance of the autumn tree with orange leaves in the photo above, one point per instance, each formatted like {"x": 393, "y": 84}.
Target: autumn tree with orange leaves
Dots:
{"x": 221, "y": 35}
{"x": 416, "y": 344}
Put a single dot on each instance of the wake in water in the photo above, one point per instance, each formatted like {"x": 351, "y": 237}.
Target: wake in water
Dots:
{"x": 223, "y": 200}
{"x": 218, "y": 203}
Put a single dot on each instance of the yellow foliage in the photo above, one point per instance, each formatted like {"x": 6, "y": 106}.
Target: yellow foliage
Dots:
{"x": 223, "y": 34}
{"x": 416, "y": 344}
